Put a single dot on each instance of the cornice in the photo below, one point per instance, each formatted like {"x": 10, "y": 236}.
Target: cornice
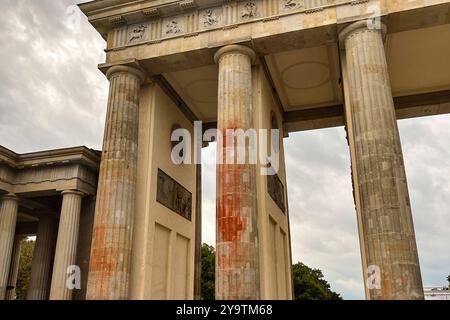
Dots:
{"x": 82, "y": 155}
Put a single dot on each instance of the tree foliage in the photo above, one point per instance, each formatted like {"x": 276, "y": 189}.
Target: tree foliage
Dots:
{"x": 309, "y": 284}
{"x": 23, "y": 278}
{"x": 448, "y": 279}
{"x": 208, "y": 272}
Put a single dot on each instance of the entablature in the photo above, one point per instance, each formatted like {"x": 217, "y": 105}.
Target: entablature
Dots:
{"x": 46, "y": 171}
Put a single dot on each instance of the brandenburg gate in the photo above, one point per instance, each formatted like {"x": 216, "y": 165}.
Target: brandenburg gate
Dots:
{"x": 130, "y": 217}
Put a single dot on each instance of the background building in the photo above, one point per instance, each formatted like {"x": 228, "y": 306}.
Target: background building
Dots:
{"x": 437, "y": 293}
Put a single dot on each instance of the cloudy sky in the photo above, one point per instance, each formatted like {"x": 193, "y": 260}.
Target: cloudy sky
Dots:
{"x": 52, "y": 96}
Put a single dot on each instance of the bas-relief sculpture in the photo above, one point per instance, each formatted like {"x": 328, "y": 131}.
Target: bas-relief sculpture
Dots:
{"x": 275, "y": 189}
{"x": 173, "y": 195}
{"x": 173, "y": 27}
{"x": 250, "y": 10}
{"x": 293, "y": 4}
{"x": 210, "y": 18}
{"x": 137, "y": 32}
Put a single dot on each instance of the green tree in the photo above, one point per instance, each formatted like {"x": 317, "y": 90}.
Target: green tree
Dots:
{"x": 208, "y": 272}
{"x": 23, "y": 278}
{"x": 309, "y": 284}
{"x": 448, "y": 279}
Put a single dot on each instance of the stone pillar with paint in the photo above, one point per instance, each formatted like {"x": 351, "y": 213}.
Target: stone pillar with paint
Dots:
{"x": 8, "y": 217}
{"x": 109, "y": 269}
{"x": 237, "y": 255}
{"x": 42, "y": 263}
{"x": 66, "y": 245}
{"x": 11, "y": 292}
{"x": 388, "y": 243}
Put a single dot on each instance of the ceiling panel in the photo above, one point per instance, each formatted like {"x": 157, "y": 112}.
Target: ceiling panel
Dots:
{"x": 199, "y": 89}
{"x": 306, "y": 78}
{"x": 419, "y": 60}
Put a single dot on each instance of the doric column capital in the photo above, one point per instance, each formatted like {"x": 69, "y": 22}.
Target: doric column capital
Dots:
{"x": 10, "y": 196}
{"x": 362, "y": 24}
{"x": 235, "y": 48}
{"x": 125, "y": 69}
{"x": 74, "y": 192}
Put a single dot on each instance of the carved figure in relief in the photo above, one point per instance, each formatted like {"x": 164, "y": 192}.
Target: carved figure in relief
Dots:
{"x": 173, "y": 27}
{"x": 210, "y": 18}
{"x": 292, "y": 4}
{"x": 249, "y": 10}
{"x": 138, "y": 32}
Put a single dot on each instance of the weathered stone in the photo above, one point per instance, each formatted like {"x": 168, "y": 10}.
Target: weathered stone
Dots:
{"x": 8, "y": 217}
{"x": 11, "y": 294}
{"x": 38, "y": 177}
{"x": 237, "y": 265}
{"x": 147, "y": 252}
{"x": 109, "y": 269}
{"x": 386, "y": 225}
{"x": 42, "y": 263}
{"x": 66, "y": 245}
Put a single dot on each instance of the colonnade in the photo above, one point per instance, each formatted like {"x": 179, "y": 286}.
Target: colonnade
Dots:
{"x": 388, "y": 245}
{"x": 48, "y": 273}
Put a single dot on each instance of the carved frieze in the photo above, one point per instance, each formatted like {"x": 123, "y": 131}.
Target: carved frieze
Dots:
{"x": 173, "y": 195}
{"x": 191, "y": 19}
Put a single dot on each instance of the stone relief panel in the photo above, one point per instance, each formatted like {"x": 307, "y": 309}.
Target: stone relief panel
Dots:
{"x": 173, "y": 195}
{"x": 290, "y": 5}
{"x": 249, "y": 10}
{"x": 138, "y": 33}
{"x": 211, "y": 18}
{"x": 275, "y": 188}
{"x": 174, "y": 26}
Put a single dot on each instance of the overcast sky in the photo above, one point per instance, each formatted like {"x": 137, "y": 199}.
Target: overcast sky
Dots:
{"x": 52, "y": 96}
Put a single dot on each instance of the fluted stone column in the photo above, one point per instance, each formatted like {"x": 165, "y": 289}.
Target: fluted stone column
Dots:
{"x": 42, "y": 263}
{"x": 11, "y": 293}
{"x": 8, "y": 217}
{"x": 237, "y": 264}
{"x": 109, "y": 269}
{"x": 388, "y": 240}
{"x": 66, "y": 244}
